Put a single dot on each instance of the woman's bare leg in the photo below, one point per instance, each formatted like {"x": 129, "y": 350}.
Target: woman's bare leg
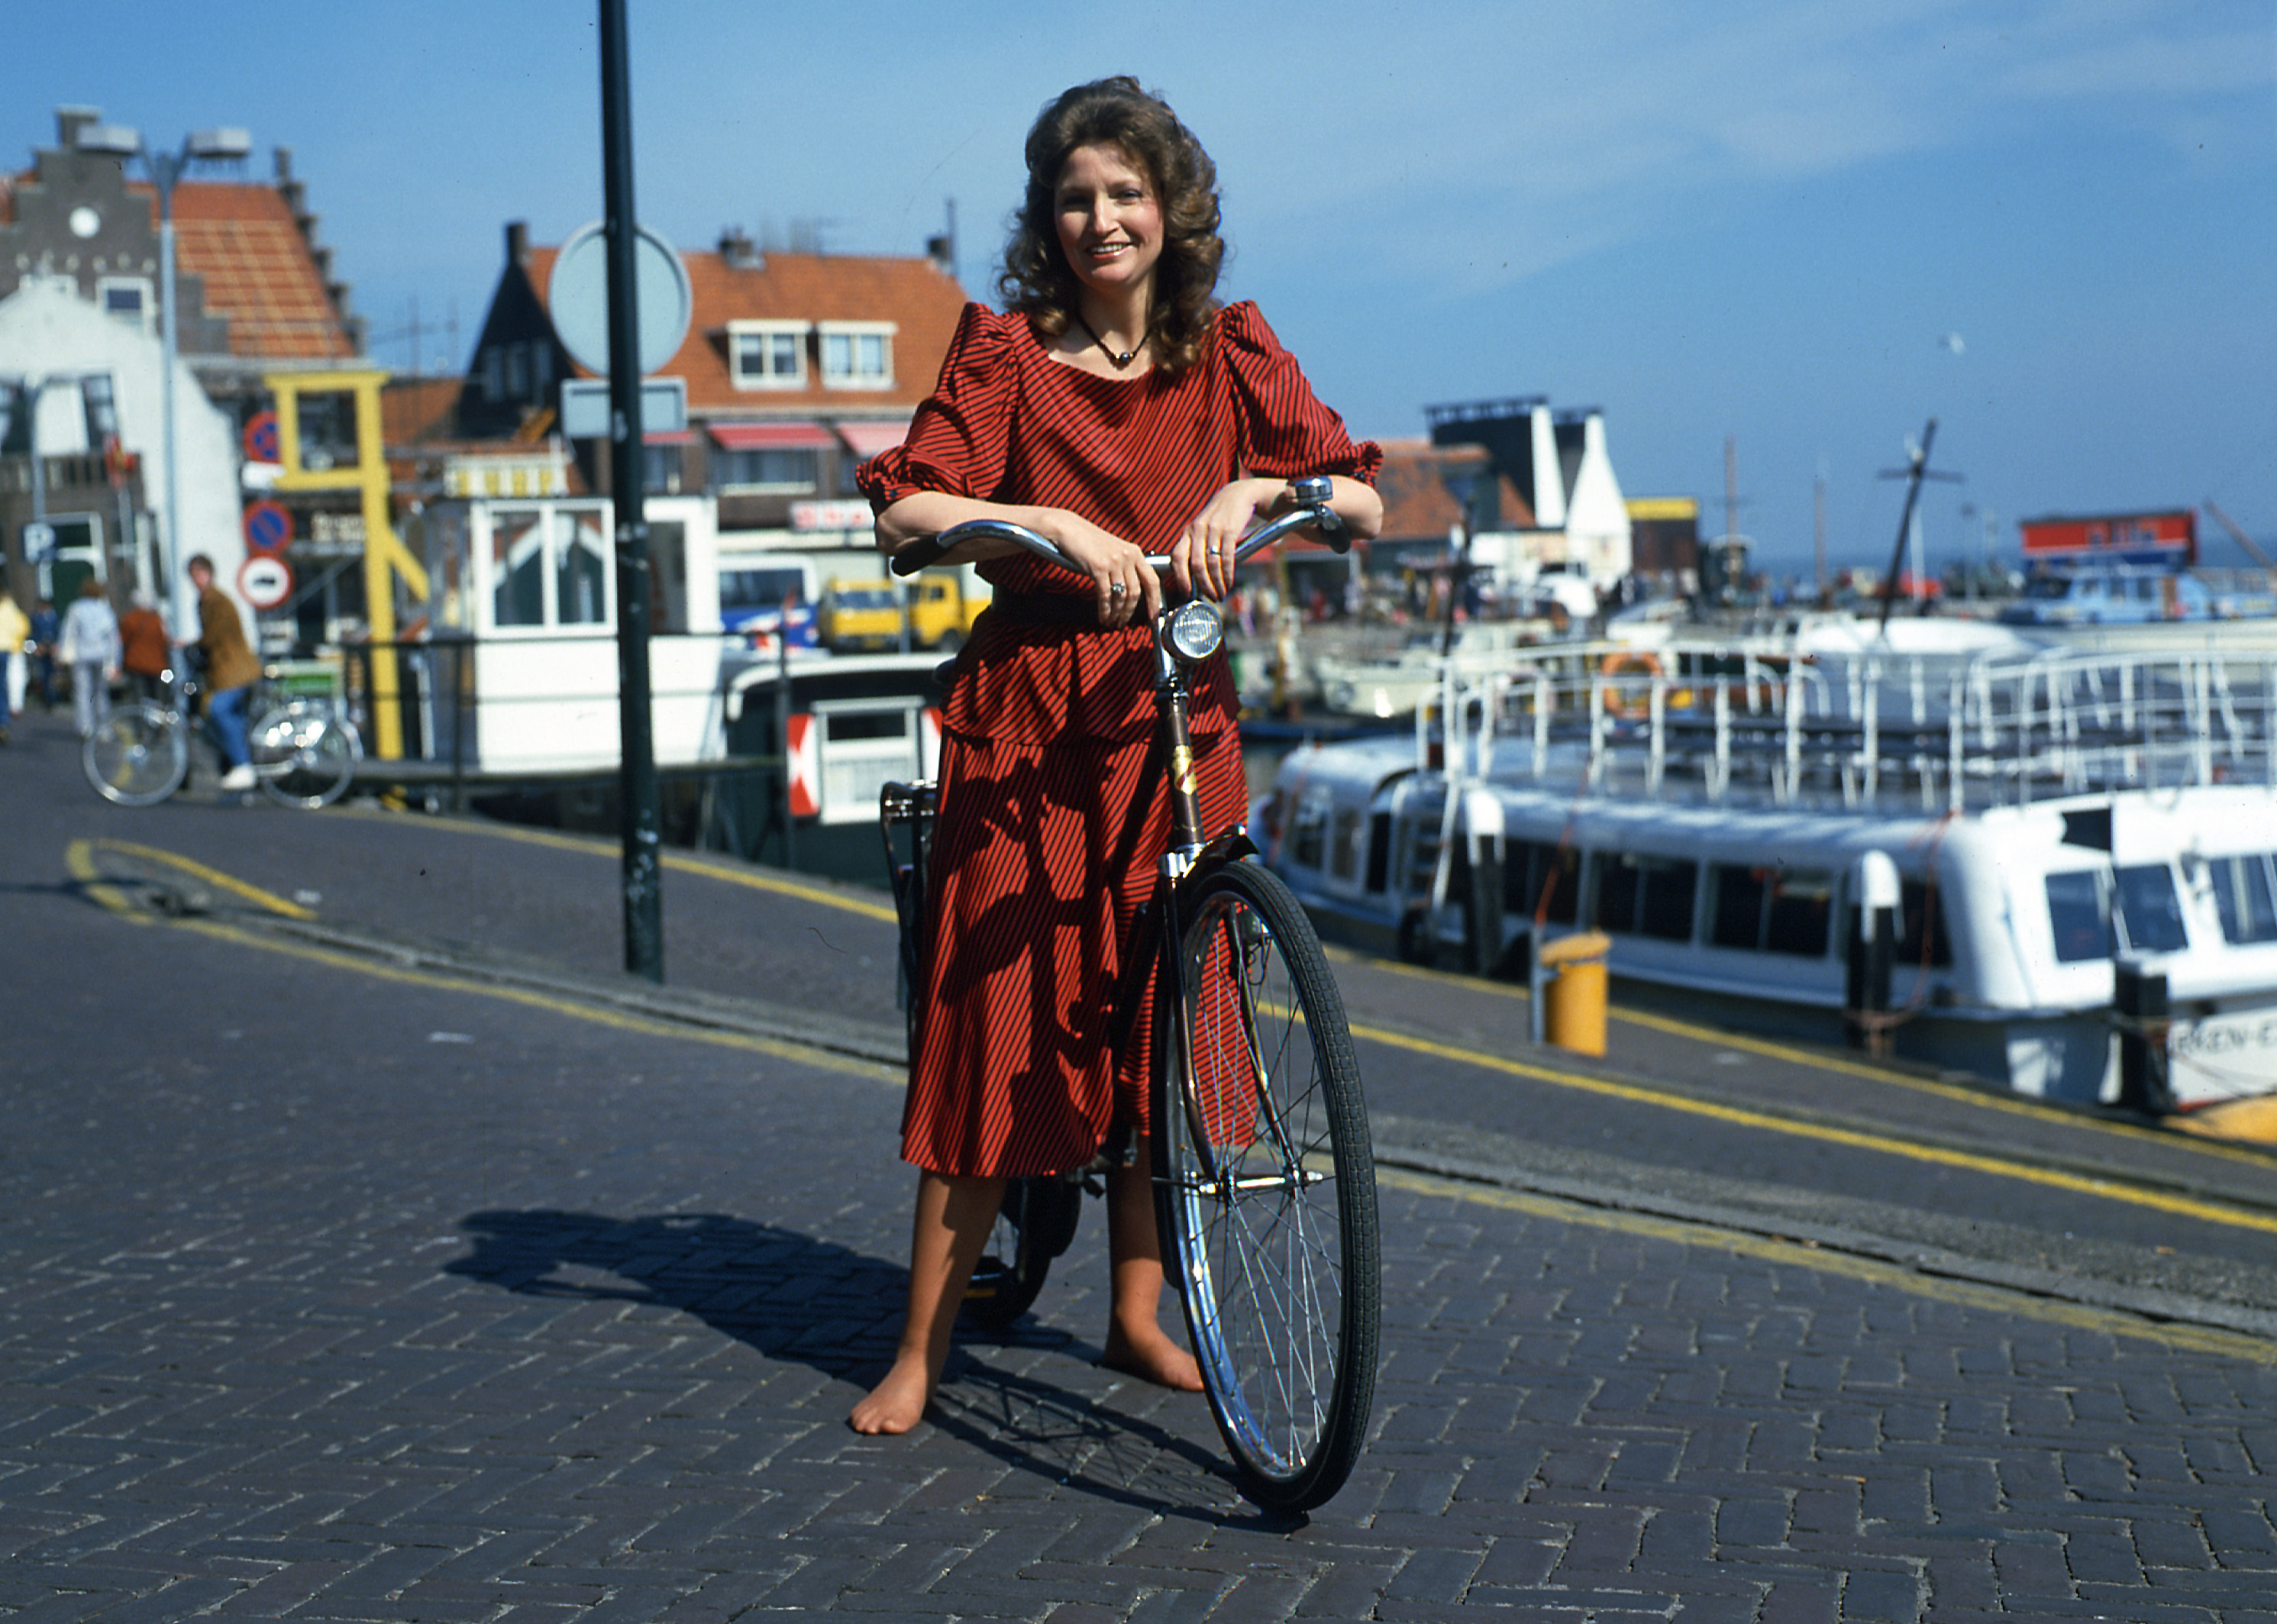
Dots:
{"x": 1136, "y": 1341}
{"x": 954, "y": 1216}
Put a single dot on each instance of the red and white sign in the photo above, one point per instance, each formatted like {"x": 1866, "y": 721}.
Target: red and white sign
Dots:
{"x": 929, "y": 742}
{"x": 802, "y": 749}
{"x": 833, "y": 516}
{"x": 267, "y": 526}
{"x": 265, "y": 580}
{"x": 2139, "y": 538}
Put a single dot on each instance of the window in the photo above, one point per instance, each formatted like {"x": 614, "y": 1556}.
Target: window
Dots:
{"x": 128, "y": 298}
{"x": 1920, "y": 909}
{"x": 1308, "y": 832}
{"x": 493, "y": 374}
{"x": 768, "y": 355}
{"x": 764, "y": 470}
{"x": 1736, "y": 904}
{"x": 517, "y": 372}
{"x": 2245, "y": 898}
{"x": 660, "y": 469}
{"x": 2150, "y": 911}
{"x": 2076, "y": 916}
{"x": 1801, "y": 914}
{"x": 1344, "y": 844}
{"x": 326, "y": 424}
{"x": 1536, "y": 866}
{"x": 581, "y": 583}
{"x": 857, "y": 355}
{"x": 531, "y": 550}
{"x": 1664, "y": 912}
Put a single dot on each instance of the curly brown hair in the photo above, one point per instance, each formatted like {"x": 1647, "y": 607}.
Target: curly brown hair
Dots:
{"x": 1037, "y": 280}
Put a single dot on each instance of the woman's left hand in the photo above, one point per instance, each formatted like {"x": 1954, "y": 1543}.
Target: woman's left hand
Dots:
{"x": 1202, "y": 560}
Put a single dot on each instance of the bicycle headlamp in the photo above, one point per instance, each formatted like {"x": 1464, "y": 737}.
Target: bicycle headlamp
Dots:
{"x": 1193, "y": 630}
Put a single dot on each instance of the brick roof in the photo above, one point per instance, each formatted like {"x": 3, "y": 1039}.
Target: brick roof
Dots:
{"x": 921, "y": 299}
{"x": 258, "y": 271}
{"x": 1417, "y": 503}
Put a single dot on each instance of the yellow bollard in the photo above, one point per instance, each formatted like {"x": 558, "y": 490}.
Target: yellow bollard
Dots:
{"x": 1574, "y": 991}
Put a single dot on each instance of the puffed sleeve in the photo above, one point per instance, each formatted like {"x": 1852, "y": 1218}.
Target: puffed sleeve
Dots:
{"x": 1286, "y": 431}
{"x": 957, "y": 441}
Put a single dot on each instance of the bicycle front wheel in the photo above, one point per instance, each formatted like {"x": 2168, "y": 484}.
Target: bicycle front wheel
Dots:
{"x": 304, "y": 753}
{"x": 1267, "y": 1186}
{"x": 138, "y": 755}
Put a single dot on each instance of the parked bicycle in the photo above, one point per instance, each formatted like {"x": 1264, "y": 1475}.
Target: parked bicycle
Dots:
{"x": 304, "y": 751}
{"x": 1264, "y": 1180}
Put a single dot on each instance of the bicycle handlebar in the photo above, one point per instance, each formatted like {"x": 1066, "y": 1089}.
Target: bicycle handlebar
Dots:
{"x": 1311, "y": 511}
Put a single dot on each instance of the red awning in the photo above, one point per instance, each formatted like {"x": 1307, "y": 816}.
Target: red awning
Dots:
{"x": 772, "y": 436}
{"x": 868, "y": 438}
{"x": 668, "y": 436}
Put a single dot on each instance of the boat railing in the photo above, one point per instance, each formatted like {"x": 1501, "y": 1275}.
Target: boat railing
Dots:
{"x": 1722, "y": 719}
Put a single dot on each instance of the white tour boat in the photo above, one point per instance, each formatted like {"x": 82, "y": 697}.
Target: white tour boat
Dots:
{"x": 2039, "y": 834}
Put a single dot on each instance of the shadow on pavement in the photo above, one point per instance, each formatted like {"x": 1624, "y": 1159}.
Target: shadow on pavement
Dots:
{"x": 790, "y": 1296}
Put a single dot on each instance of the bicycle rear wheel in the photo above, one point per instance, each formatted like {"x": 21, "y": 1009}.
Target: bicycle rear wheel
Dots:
{"x": 138, "y": 755}
{"x": 1267, "y": 1189}
{"x": 305, "y": 753}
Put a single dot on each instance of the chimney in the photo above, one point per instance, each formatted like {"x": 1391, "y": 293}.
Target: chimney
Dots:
{"x": 70, "y": 120}
{"x": 735, "y": 249}
{"x": 517, "y": 241}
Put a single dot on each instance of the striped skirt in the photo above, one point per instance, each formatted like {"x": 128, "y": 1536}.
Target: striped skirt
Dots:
{"x": 1042, "y": 857}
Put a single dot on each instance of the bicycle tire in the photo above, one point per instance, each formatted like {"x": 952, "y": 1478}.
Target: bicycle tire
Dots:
{"x": 1034, "y": 1226}
{"x": 304, "y": 753}
{"x": 1267, "y": 1188}
{"x": 138, "y": 755}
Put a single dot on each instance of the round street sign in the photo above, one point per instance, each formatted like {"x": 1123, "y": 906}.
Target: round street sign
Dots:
{"x": 578, "y": 297}
{"x": 266, "y": 580}
{"x": 262, "y": 439}
{"x": 267, "y": 526}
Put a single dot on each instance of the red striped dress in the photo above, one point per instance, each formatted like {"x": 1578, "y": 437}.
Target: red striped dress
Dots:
{"x": 1049, "y": 826}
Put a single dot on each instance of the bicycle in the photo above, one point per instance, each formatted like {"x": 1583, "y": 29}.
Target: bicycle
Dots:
{"x": 304, "y": 751}
{"x": 1263, "y": 1175}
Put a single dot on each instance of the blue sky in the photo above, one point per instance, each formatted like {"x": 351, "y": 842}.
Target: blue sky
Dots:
{"x": 1760, "y": 222}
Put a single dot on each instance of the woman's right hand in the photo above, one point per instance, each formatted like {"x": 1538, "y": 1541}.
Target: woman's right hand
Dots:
{"x": 1129, "y": 587}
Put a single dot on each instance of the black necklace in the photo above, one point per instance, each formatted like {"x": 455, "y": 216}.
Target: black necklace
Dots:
{"x": 1127, "y": 356}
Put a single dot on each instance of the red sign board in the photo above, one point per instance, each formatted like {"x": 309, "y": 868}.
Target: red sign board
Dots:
{"x": 267, "y": 526}
{"x": 2135, "y": 538}
{"x": 261, "y": 442}
{"x": 266, "y": 581}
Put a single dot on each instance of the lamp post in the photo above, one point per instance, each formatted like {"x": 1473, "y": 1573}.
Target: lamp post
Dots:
{"x": 123, "y": 142}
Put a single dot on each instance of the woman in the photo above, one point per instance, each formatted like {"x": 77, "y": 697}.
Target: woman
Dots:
{"x": 90, "y": 648}
{"x": 1118, "y": 410}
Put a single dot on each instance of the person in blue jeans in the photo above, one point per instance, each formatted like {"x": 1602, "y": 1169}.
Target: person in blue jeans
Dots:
{"x": 232, "y": 669}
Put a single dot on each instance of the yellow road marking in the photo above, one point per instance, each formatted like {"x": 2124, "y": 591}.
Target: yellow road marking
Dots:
{"x": 681, "y": 862}
{"x": 1872, "y": 1271}
{"x": 1737, "y": 1115}
{"x": 80, "y": 858}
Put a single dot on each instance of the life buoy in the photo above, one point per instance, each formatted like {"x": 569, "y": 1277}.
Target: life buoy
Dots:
{"x": 1628, "y": 662}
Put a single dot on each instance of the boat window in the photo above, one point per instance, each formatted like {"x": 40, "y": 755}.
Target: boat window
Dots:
{"x": 1650, "y": 895}
{"x": 1736, "y": 910}
{"x": 2150, "y": 912}
{"x": 2244, "y": 896}
{"x": 1619, "y": 880}
{"x": 1536, "y": 866}
{"x": 1379, "y": 851}
{"x": 1801, "y": 911}
{"x": 2075, "y": 914}
{"x": 1344, "y": 844}
{"x": 1308, "y": 830}
{"x": 1665, "y": 910}
{"x": 1920, "y": 907}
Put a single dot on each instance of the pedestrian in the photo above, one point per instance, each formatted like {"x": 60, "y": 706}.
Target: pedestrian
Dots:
{"x": 1118, "y": 410}
{"x": 89, "y": 647}
{"x": 230, "y": 671}
{"x": 15, "y": 645}
{"x": 47, "y": 625}
{"x": 145, "y": 649}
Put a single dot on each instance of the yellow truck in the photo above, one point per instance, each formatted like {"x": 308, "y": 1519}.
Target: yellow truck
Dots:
{"x": 866, "y": 614}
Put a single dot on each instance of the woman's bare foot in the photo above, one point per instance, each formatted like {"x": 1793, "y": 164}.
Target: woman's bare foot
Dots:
{"x": 898, "y": 1403}
{"x": 1148, "y": 1354}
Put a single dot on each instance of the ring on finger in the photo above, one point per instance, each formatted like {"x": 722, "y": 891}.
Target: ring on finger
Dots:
{"x": 1115, "y": 589}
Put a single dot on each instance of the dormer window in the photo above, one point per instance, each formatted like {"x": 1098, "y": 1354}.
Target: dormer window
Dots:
{"x": 128, "y": 298}
{"x": 768, "y": 355}
{"x": 857, "y": 355}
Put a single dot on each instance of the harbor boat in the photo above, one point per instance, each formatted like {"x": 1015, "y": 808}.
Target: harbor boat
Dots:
{"x": 2028, "y": 839}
